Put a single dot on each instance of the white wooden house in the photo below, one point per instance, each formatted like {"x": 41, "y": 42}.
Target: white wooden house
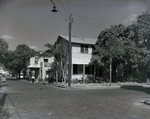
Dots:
{"x": 81, "y": 54}
{"x": 39, "y": 66}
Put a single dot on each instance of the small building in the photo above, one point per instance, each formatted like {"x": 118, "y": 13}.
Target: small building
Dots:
{"x": 81, "y": 54}
{"x": 39, "y": 66}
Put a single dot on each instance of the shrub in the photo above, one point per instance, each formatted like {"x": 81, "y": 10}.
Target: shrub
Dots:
{"x": 76, "y": 80}
{"x": 90, "y": 79}
{"x": 50, "y": 80}
{"x": 40, "y": 79}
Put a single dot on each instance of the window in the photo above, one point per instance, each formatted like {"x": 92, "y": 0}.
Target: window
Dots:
{"x": 84, "y": 48}
{"x": 36, "y": 61}
{"x": 77, "y": 69}
{"x": 93, "y": 48}
{"x": 86, "y": 69}
{"x": 45, "y": 62}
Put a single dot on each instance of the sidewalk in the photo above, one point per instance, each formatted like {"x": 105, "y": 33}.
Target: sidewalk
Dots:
{"x": 85, "y": 86}
{"x": 98, "y": 86}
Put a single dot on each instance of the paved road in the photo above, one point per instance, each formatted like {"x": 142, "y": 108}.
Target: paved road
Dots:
{"x": 37, "y": 101}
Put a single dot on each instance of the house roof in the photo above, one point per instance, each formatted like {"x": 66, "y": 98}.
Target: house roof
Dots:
{"x": 80, "y": 40}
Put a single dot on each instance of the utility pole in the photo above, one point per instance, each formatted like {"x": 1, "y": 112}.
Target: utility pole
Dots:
{"x": 56, "y": 70}
{"x": 70, "y": 47}
{"x": 70, "y": 52}
{"x": 110, "y": 62}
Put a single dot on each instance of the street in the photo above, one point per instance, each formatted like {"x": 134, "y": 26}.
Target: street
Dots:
{"x": 37, "y": 101}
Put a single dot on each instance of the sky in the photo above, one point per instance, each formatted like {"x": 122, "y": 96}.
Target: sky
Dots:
{"x": 31, "y": 22}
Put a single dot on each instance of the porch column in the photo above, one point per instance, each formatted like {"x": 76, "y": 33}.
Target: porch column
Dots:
{"x": 83, "y": 69}
{"x": 83, "y": 75}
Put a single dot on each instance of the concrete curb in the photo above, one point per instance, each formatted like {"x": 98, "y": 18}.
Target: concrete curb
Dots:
{"x": 92, "y": 85}
{"x": 99, "y": 86}
{"x": 84, "y": 86}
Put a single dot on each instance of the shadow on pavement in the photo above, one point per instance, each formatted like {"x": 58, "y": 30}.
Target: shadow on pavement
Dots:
{"x": 13, "y": 79}
{"x": 4, "y": 85}
{"x": 2, "y": 100}
{"x": 136, "y": 88}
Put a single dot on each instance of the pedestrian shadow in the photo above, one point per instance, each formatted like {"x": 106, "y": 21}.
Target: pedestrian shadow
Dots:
{"x": 136, "y": 88}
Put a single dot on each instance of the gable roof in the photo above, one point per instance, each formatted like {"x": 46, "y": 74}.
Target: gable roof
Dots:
{"x": 79, "y": 40}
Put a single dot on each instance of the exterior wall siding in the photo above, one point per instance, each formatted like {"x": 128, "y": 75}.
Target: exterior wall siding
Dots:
{"x": 81, "y": 58}
{"x": 78, "y": 57}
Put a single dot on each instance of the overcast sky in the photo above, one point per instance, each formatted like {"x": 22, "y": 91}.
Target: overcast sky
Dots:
{"x": 31, "y": 22}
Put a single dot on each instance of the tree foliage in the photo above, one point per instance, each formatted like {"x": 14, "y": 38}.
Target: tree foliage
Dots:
{"x": 60, "y": 59}
{"x": 109, "y": 47}
{"x": 3, "y": 51}
{"x": 18, "y": 58}
{"x": 128, "y": 47}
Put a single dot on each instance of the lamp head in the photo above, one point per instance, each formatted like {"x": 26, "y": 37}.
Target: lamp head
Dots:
{"x": 54, "y": 9}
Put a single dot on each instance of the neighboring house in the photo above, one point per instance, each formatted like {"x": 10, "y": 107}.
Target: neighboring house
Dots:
{"x": 39, "y": 66}
{"x": 81, "y": 54}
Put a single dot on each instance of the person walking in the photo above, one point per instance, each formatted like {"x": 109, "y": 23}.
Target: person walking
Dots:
{"x": 33, "y": 79}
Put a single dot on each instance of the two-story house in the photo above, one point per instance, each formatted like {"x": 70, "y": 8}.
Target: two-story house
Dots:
{"x": 39, "y": 66}
{"x": 81, "y": 54}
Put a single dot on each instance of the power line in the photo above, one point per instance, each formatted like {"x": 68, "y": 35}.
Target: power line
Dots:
{"x": 85, "y": 20}
{"x": 68, "y": 6}
{"x": 90, "y": 23}
{"x": 64, "y": 7}
{"x": 59, "y": 11}
{"x": 62, "y": 15}
{"x": 93, "y": 19}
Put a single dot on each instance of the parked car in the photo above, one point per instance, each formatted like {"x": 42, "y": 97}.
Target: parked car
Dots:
{"x": 3, "y": 78}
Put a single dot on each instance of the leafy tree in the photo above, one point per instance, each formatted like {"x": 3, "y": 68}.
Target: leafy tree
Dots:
{"x": 134, "y": 52}
{"x": 137, "y": 49}
{"x": 3, "y": 50}
{"x": 143, "y": 24}
{"x": 127, "y": 48}
{"x": 109, "y": 47}
{"x": 19, "y": 58}
{"x": 60, "y": 63}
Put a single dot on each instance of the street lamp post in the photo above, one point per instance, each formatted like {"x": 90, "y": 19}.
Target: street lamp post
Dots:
{"x": 70, "y": 47}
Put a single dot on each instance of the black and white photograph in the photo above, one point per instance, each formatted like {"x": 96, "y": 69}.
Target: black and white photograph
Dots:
{"x": 74, "y": 59}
